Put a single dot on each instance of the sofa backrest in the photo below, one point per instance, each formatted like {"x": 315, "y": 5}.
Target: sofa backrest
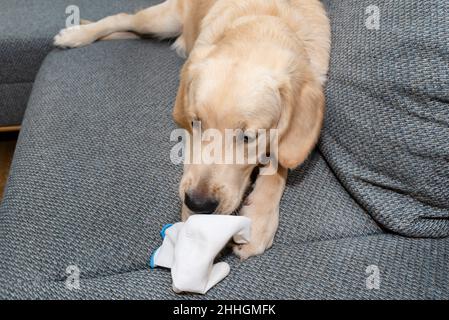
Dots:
{"x": 386, "y": 132}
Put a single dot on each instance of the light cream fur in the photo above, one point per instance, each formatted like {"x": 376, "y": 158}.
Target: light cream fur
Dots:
{"x": 251, "y": 64}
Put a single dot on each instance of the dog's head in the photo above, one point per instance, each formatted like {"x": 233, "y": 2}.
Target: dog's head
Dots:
{"x": 221, "y": 90}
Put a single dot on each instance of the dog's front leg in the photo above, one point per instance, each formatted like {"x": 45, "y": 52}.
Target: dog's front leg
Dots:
{"x": 262, "y": 207}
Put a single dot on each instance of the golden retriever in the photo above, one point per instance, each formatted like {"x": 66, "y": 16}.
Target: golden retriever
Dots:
{"x": 252, "y": 64}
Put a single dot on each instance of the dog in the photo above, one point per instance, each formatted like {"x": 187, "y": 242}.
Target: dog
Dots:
{"x": 251, "y": 64}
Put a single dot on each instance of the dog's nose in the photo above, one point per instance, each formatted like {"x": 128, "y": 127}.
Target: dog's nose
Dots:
{"x": 200, "y": 204}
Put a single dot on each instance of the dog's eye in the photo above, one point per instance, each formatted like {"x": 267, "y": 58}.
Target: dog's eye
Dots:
{"x": 248, "y": 138}
{"x": 196, "y": 123}
{"x": 245, "y": 137}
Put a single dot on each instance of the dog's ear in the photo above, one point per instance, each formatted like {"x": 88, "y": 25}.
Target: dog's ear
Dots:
{"x": 301, "y": 120}
{"x": 179, "y": 112}
{"x": 190, "y": 68}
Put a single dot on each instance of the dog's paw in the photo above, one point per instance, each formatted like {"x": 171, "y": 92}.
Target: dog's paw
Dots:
{"x": 74, "y": 37}
{"x": 263, "y": 229}
{"x": 245, "y": 251}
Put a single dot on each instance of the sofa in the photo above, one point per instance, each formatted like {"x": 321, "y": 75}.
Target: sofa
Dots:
{"x": 91, "y": 184}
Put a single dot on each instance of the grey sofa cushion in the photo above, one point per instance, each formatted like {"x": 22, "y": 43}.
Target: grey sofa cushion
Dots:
{"x": 386, "y": 132}
{"x": 27, "y": 29}
{"x": 92, "y": 177}
{"x": 13, "y": 101}
{"x": 336, "y": 269}
{"x": 92, "y": 185}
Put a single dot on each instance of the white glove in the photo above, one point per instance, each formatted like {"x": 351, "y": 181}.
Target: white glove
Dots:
{"x": 190, "y": 248}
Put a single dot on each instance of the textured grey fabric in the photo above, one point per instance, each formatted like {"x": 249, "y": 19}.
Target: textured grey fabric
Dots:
{"x": 93, "y": 162}
{"x": 409, "y": 269}
{"x": 27, "y": 29}
{"x": 13, "y": 100}
{"x": 386, "y": 132}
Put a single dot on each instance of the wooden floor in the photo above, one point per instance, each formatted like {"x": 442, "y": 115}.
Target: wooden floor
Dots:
{"x": 7, "y": 145}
